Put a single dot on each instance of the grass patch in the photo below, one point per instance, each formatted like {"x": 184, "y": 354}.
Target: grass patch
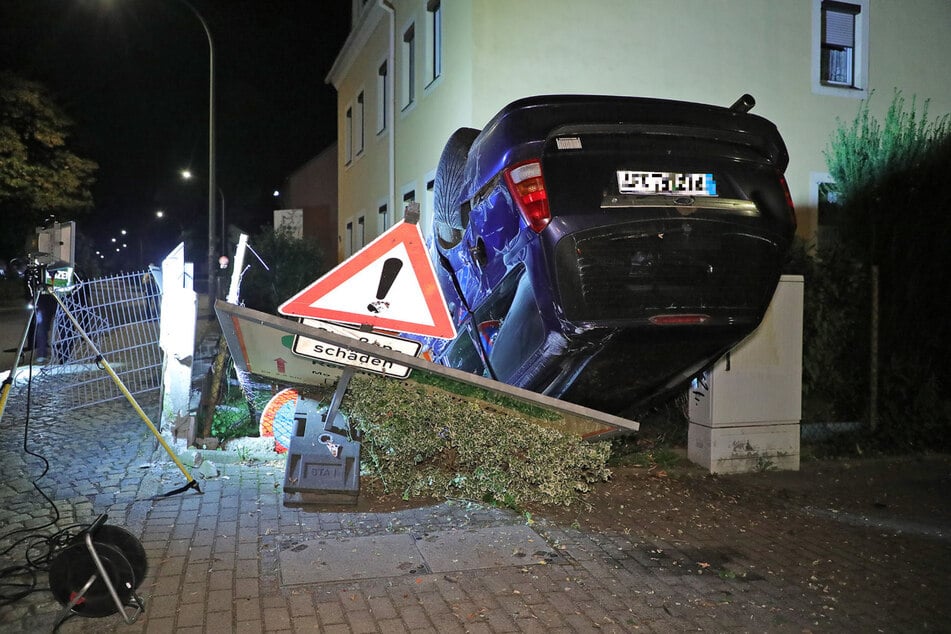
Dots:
{"x": 659, "y": 443}
{"x": 232, "y": 418}
{"x": 638, "y": 451}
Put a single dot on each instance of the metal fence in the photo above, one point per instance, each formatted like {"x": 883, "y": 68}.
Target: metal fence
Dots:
{"x": 120, "y": 315}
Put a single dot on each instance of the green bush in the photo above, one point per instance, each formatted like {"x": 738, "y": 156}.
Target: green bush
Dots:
{"x": 866, "y": 151}
{"x": 894, "y": 220}
{"x": 422, "y": 441}
{"x": 233, "y": 422}
{"x": 292, "y": 264}
{"x": 835, "y": 338}
{"x": 232, "y": 418}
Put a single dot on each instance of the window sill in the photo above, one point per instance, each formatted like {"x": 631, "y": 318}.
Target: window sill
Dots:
{"x": 832, "y": 90}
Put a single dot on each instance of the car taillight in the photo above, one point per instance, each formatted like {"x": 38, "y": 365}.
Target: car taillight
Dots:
{"x": 527, "y": 186}
{"x": 678, "y": 320}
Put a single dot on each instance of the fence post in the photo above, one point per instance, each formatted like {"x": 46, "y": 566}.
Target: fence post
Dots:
{"x": 873, "y": 355}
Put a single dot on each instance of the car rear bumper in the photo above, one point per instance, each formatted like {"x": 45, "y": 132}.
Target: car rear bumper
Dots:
{"x": 627, "y": 274}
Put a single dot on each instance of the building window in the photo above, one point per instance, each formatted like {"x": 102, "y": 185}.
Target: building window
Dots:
{"x": 382, "y": 93}
{"x": 434, "y": 39}
{"x": 840, "y": 47}
{"x": 409, "y": 67}
{"x": 409, "y": 195}
{"x": 382, "y": 219}
{"x": 828, "y": 216}
{"x": 359, "y": 125}
{"x": 348, "y": 240}
{"x": 837, "y": 61}
{"x": 348, "y": 136}
{"x": 361, "y": 232}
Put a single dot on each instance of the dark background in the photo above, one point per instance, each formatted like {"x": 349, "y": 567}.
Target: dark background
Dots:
{"x": 133, "y": 75}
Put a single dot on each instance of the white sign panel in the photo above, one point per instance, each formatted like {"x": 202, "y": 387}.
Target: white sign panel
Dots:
{"x": 315, "y": 349}
{"x": 291, "y": 219}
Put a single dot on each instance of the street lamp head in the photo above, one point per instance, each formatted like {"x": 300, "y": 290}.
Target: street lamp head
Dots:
{"x": 186, "y": 174}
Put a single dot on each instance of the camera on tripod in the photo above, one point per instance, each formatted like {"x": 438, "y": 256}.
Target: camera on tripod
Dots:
{"x": 52, "y": 277}
{"x": 35, "y": 277}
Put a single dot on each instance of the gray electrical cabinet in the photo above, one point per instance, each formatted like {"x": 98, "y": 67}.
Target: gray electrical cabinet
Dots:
{"x": 745, "y": 412}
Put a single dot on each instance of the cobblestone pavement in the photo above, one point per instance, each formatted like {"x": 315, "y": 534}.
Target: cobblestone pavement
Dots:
{"x": 736, "y": 563}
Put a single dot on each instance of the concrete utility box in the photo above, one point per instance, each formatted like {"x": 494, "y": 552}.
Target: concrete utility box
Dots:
{"x": 745, "y": 412}
{"x": 323, "y": 462}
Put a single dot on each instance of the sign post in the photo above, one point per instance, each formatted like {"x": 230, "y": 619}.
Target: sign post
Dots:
{"x": 390, "y": 284}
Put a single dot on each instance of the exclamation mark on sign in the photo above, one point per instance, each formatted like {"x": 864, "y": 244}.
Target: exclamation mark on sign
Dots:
{"x": 391, "y": 268}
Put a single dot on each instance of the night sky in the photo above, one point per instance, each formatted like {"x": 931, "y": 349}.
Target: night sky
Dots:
{"x": 133, "y": 75}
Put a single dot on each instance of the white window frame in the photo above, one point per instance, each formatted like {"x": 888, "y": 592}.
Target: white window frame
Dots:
{"x": 860, "y": 53}
{"x": 359, "y": 123}
{"x": 361, "y": 231}
{"x": 382, "y": 216}
{"x": 348, "y": 135}
{"x": 407, "y": 195}
{"x": 408, "y": 67}
{"x": 433, "y": 41}
{"x": 382, "y": 94}
{"x": 348, "y": 238}
{"x": 817, "y": 180}
{"x": 428, "y": 205}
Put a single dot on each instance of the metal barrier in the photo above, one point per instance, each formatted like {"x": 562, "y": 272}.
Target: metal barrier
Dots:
{"x": 120, "y": 314}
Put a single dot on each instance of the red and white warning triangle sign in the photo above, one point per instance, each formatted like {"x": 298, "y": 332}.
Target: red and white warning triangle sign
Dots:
{"x": 389, "y": 284}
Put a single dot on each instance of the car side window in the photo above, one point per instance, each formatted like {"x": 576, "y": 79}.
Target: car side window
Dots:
{"x": 462, "y": 354}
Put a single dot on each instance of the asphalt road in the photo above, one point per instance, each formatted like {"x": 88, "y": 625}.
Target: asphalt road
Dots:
{"x": 13, "y": 319}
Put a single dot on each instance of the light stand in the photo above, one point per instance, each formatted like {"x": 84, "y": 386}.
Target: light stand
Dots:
{"x": 36, "y": 276}
{"x": 11, "y": 377}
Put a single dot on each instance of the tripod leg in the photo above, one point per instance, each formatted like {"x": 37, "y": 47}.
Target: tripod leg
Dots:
{"x": 8, "y": 382}
{"x": 192, "y": 483}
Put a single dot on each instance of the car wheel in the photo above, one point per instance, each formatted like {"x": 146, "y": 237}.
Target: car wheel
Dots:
{"x": 448, "y": 223}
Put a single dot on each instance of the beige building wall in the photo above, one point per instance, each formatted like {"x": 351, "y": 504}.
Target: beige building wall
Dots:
{"x": 712, "y": 51}
{"x": 421, "y": 128}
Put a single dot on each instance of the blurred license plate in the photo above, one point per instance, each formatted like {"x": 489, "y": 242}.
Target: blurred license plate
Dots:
{"x": 666, "y": 183}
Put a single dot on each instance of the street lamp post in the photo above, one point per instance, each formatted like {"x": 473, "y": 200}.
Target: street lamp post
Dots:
{"x": 212, "y": 187}
{"x": 187, "y": 175}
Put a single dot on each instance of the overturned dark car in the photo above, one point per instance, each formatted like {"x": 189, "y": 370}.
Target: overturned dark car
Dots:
{"x": 606, "y": 250}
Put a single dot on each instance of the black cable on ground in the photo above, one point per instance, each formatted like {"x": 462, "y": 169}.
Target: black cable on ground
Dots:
{"x": 12, "y": 589}
{"x": 26, "y": 449}
{"x": 19, "y": 580}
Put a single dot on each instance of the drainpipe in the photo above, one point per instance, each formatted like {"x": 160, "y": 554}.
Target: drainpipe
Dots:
{"x": 387, "y": 6}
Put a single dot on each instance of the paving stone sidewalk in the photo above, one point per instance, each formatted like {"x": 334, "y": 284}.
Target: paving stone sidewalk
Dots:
{"x": 215, "y": 559}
